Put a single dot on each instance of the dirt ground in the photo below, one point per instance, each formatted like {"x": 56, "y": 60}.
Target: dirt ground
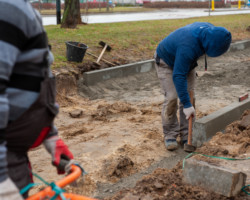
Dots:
{"x": 169, "y": 184}
{"x": 114, "y": 131}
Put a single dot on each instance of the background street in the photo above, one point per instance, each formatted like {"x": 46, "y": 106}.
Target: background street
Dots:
{"x": 166, "y": 14}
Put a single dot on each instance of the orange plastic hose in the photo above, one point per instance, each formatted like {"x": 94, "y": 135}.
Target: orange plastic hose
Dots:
{"x": 48, "y": 192}
{"x": 76, "y": 197}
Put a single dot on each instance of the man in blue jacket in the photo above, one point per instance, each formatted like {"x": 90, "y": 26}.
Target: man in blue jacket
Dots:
{"x": 176, "y": 58}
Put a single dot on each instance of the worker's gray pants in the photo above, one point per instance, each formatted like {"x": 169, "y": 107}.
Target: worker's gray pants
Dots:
{"x": 171, "y": 127}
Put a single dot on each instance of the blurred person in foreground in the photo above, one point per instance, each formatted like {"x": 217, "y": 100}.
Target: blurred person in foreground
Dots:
{"x": 27, "y": 97}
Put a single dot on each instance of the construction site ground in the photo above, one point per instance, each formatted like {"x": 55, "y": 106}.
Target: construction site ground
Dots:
{"x": 116, "y": 135}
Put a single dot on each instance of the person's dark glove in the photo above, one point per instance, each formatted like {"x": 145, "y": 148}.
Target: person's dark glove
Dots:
{"x": 58, "y": 150}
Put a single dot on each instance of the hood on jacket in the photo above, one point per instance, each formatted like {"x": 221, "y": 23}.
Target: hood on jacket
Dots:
{"x": 215, "y": 40}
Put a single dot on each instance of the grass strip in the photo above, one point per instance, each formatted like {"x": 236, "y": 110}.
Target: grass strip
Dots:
{"x": 134, "y": 41}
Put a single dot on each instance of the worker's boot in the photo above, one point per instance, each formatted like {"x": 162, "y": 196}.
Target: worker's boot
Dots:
{"x": 171, "y": 144}
{"x": 183, "y": 142}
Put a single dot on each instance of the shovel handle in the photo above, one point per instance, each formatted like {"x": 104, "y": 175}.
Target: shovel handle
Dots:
{"x": 100, "y": 57}
{"x": 190, "y": 120}
{"x": 190, "y": 126}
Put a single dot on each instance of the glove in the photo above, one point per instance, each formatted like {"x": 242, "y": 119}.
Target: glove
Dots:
{"x": 9, "y": 191}
{"x": 189, "y": 112}
{"x": 58, "y": 150}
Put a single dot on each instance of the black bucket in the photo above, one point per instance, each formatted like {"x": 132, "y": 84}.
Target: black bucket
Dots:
{"x": 75, "y": 51}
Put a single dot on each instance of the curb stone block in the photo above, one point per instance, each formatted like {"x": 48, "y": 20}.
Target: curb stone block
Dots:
{"x": 236, "y": 46}
{"x": 206, "y": 127}
{"x": 93, "y": 77}
{"x": 220, "y": 180}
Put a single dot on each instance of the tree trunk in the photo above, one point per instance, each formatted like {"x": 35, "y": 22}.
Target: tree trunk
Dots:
{"x": 86, "y": 7}
{"x": 71, "y": 14}
{"x": 107, "y": 5}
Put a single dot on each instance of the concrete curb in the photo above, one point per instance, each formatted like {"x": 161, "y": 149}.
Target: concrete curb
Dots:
{"x": 208, "y": 126}
{"x": 239, "y": 45}
{"x": 93, "y": 77}
{"x": 222, "y": 180}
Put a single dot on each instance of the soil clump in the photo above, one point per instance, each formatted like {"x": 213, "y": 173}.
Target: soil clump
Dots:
{"x": 168, "y": 184}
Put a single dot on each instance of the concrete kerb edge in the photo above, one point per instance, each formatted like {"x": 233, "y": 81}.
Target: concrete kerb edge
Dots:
{"x": 240, "y": 45}
{"x": 93, "y": 77}
{"x": 220, "y": 179}
{"x": 206, "y": 127}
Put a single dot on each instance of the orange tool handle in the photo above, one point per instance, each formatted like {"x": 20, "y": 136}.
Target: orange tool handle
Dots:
{"x": 190, "y": 120}
{"x": 190, "y": 126}
{"x": 76, "y": 173}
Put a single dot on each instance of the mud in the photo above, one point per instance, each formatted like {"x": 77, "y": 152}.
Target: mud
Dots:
{"x": 169, "y": 184}
{"x": 118, "y": 136}
{"x": 233, "y": 142}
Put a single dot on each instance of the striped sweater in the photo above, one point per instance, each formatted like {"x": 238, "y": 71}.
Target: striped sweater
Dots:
{"x": 23, "y": 43}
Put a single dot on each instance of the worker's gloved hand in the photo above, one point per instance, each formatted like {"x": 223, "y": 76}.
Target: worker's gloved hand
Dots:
{"x": 9, "y": 191}
{"x": 59, "y": 151}
{"x": 189, "y": 112}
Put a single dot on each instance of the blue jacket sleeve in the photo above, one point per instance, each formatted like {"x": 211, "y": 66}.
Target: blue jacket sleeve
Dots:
{"x": 185, "y": 57}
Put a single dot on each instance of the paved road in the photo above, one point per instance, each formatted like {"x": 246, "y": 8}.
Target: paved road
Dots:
{"x": 166, "y": 14}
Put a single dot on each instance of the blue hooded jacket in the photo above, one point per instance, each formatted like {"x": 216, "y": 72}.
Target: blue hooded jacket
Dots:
{"x": 182, "y": 48}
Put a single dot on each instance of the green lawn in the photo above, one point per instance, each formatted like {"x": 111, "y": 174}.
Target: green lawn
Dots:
{"x": 134, "y": 41}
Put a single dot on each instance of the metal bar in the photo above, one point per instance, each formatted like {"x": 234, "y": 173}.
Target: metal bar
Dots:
{"x": 58, "y": 11}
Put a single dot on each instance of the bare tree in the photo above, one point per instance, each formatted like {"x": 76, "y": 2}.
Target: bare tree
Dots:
{"x": 107, "y": 5}
{"x": 71, "y": 14}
